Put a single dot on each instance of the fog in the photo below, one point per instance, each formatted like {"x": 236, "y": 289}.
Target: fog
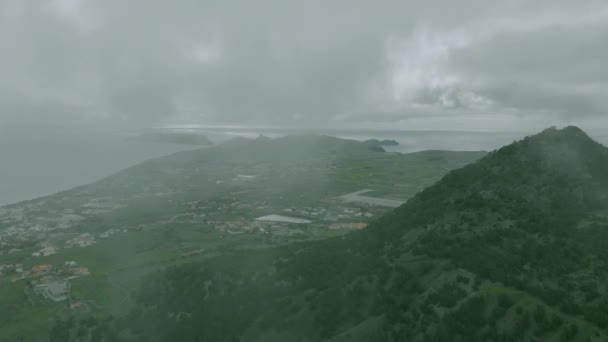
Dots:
{"x": 85, "y": 73}
{"x": 399, "y": 64}
{"x": 312, "y": 170}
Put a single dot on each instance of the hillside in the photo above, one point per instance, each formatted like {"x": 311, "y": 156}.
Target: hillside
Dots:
{"x": 105, "y": 237}
{"x": 510, "y": 248}
{"x": 184, "y": 138}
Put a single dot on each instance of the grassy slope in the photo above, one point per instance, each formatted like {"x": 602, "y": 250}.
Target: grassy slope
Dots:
{"x": 511, "y": 248}
{"x": 117, "y": 264}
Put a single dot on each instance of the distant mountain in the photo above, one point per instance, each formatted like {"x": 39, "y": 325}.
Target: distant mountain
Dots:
{"x": 511, "y": 248}
{"x": 191, "y": 206}
{"x": 184, "y": 138}
{"x": 376, "y": 142}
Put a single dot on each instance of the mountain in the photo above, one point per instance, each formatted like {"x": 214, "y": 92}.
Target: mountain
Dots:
{"x": 376, "y": 142}
{"x": 185, "y": 138}
{"x": 510, "y": 248}
{"x": 105, "y": 237}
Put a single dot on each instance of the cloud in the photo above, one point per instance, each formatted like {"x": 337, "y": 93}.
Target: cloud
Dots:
{"x": 557, "y": 68}
{"x": 312, "y": 63}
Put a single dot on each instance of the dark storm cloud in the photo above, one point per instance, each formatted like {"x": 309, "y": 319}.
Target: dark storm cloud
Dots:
{"x": 557, "y": 68}
{"x": 300, "y": 63}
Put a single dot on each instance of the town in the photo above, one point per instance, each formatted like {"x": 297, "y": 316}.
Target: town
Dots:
{"x": 87, "y": 250}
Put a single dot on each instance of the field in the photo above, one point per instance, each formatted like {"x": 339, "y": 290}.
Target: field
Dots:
{"x": 189, "y": 207}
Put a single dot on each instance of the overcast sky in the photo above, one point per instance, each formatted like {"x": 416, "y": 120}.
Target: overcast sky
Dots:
{"x": 469, "y": 64}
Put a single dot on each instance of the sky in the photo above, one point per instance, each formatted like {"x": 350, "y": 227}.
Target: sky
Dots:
{"x": 439, "y": 65}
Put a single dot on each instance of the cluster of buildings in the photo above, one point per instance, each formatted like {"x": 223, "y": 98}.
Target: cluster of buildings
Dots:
{"x": 292, "y": 222}
{"x": 55, "y": 289}
{"x": 237, "y": 209}
{"x": 46, "y": 249}
{"x": 40, "y": 273}
{"x": 352, "y": 225}
{"x": 237, "y": 226}
{"x": 100, "y": 205}
{"x": 336, "y": 212}
{"x": 9, "y": 269}
{"x": 281, "y": 226}
{"x": 54, "y": 285}
{"x": 234, "y": 213}
{"x": 46, "y": 282}
{"x": 82, "y": 240}
{"x": 22, "y": 224}
{"x": 50, "y": 217}
{"x": 358, "y": 197}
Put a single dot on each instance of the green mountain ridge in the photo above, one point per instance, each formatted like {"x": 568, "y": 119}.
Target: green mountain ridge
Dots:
{"x": 511, "y": 248}
{"x": 189, "y": 207}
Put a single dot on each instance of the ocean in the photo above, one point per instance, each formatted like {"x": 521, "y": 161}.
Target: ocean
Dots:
{"x": 31, "y": 168}
{"x": 39, "y": 167}
{"x": 409, "y": 141}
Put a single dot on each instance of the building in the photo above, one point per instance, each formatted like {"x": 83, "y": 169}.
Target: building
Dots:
{"x": 56, "y": 290}
{"x": 41, "y": 269}
{"x": 355, "y": 225}
{"x": 80, "y": 270}
{"x": 284, "y": 219}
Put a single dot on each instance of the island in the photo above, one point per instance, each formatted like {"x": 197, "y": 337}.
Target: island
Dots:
{"x": 376, "y": 142}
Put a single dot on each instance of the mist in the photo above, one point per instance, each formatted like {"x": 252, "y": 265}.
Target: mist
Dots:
{"x": 321, "y": 170}
{"x": 90, "y": 72}
{"x": 399, "y": 64}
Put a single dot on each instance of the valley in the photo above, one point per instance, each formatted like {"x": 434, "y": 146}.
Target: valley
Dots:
{"x": 105, "y": 237}
{"x": 511, "y": 247}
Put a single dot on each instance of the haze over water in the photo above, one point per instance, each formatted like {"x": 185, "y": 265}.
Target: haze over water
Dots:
{"x": 34, "y": 168}
{"x": 410, "y": 141}
{"x": 44, "y": 166}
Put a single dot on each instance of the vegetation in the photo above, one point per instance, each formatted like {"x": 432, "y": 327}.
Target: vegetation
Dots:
{"x": 160, "y": 211}
{"x": 376, "y": 142}
{"x": 184, "y": 138}
{"x": 511, "y": 248}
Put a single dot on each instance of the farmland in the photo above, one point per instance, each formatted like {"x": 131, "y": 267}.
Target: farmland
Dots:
{"x": 188, "y": 207}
